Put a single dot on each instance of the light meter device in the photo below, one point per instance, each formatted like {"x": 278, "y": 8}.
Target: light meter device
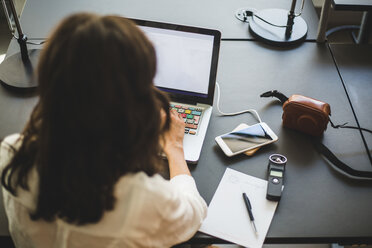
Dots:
{"x": 276, "y": 170}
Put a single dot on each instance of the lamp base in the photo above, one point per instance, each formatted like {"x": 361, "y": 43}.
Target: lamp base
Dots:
{"x": 277, "y": 35}
{"x": 16, "y": 73}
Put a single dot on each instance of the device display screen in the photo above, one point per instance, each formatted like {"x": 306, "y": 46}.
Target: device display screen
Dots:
{"x": 184, "y": 59}
{"x": 246, "y": 138}
{"x": 276, "y": 173}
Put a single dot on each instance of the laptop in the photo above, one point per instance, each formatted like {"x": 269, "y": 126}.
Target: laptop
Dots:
{"x": 187, "y": 59}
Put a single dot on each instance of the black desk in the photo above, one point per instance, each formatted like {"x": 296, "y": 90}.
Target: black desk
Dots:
{"x": 355, "y": 65}
{"x": 40, "y": 15}
{"x": 319, "y": 205}
{"x": 317, "y": 201}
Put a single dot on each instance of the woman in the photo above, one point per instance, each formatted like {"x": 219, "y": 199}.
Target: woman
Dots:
{"x": 83, "y": 173}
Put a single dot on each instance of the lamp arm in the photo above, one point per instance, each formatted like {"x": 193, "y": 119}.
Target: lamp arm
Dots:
{"x": 293, "y": 6}
{"x": 15, "y": 16}
{"x": 8, "y": 17}
{"x": 302, "y": 7}
{"x": 22, "y": 38}
{"x": 290, "y": 21}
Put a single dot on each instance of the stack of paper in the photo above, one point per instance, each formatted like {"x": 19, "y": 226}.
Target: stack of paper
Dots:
{"x": 228, "y": 217}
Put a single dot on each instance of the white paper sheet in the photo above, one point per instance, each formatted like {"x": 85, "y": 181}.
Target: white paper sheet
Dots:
{"x": 228, "y": 217}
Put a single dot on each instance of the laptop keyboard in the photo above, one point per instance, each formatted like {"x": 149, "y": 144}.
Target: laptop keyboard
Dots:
{"x": 191, "y": 115}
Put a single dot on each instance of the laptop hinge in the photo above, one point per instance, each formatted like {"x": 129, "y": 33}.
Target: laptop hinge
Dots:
{"x": 183, "y": 100}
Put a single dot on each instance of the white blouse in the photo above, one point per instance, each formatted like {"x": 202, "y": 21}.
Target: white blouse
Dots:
{"x": 148, "y": 212}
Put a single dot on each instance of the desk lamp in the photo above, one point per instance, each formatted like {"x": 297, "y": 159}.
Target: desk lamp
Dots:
{"x": 275, "y": 26}
{"x": 17, "y": 70}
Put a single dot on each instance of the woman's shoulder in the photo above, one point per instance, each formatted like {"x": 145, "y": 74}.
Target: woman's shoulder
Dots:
{"x": 13, "y": 140}
{"x": 8, "y": 146}
{"x": 27, "y": 198}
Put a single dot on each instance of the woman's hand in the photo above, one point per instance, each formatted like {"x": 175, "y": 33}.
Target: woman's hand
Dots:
{"x": 172, "y": 143}
{"x": 173, "y": 138}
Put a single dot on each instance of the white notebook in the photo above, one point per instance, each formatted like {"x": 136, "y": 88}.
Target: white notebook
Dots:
{"x": 228, "y": 217}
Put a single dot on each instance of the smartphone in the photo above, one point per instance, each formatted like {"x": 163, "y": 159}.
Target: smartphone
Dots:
{"x": 254, "y": 136}
{"x": 250, "y": 152}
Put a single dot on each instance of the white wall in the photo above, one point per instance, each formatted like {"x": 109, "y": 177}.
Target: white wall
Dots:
{"x": 19, "y": 4}
{"x": 318, "y": 3}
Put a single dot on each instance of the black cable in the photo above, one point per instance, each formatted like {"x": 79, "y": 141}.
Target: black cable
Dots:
{"x": 30, "y": 42}
{"x": 248, "y": 13}
{"x": 351, "y": 127}
{"x": 35, "y": 43}
{"x": 272, "y": 24}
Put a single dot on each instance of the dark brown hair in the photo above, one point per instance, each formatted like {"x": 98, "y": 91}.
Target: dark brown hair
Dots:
{"x": 98, "y": 118}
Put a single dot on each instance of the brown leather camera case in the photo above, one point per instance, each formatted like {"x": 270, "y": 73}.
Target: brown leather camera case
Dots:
{"x": 306, "y": 114}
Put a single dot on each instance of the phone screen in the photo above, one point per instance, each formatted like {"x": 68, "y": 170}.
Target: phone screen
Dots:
{"x": 246, "y": 138}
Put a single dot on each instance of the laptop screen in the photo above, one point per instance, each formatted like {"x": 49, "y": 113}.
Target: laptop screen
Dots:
{"x": 186, "y": 59}
{"x": 183, "y": 60}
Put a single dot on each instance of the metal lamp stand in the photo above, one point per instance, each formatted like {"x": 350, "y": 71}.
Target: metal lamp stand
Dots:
{"x": 17, "y": 70}
{"x": 292, "y": 28}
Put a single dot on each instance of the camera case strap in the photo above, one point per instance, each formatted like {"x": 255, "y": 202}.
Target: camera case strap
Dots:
{"x": 311, "y": 116}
